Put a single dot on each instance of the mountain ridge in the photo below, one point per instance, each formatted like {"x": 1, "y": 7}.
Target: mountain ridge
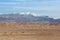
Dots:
{"x": 27, "y": 18}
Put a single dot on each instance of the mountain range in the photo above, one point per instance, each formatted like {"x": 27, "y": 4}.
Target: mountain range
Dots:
{"x": 27, "y": 18}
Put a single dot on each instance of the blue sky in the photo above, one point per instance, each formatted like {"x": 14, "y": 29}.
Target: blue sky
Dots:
{"x": 41, "y": 7}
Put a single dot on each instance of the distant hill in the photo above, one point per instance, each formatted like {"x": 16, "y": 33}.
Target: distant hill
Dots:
{"x": 27, "y": 18}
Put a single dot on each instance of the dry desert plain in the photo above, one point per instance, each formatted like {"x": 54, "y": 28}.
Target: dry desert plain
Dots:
{"x": 17, "y": 31}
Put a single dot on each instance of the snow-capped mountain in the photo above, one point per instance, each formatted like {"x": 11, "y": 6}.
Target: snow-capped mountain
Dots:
{"x": 27, "y": 18}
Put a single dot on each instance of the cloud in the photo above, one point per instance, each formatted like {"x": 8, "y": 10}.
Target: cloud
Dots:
{"x": 43, "y": 7}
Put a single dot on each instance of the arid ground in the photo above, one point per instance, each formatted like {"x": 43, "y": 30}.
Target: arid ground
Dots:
{"x": 17, "y": 31}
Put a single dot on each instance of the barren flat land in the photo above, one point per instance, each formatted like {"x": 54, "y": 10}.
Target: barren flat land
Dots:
{"x": 17, "y": 31}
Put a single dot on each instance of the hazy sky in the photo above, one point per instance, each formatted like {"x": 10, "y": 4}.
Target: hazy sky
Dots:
{"x": 42, "y": 7}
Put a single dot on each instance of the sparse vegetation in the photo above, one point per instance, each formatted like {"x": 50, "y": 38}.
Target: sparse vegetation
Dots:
{"x": 17, "y": 31}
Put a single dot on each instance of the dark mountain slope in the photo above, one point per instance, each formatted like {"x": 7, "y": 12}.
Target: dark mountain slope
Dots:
{"x": 24, "y": 18}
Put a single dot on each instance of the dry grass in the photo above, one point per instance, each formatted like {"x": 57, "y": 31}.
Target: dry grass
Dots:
{"x": 14, "y": 31}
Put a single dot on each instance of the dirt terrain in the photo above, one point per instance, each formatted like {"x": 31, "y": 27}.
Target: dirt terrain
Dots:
{"x": 17, "y": 31}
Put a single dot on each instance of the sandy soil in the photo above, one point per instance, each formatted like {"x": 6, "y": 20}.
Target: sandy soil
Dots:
{"x": 14, "y": 31}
